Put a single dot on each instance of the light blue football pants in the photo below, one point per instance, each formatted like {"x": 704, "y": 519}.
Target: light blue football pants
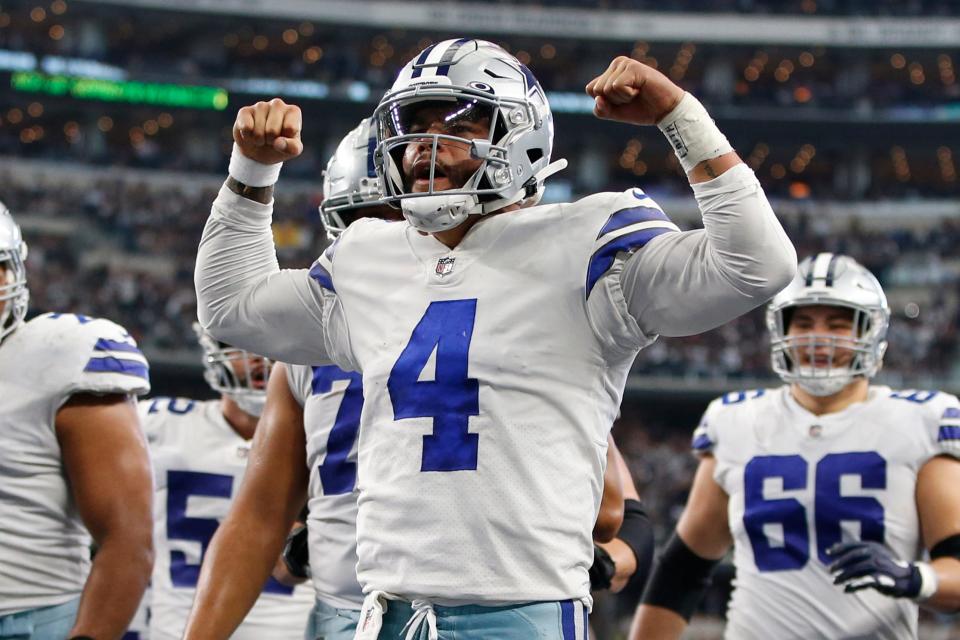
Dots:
{"x": 45, "y": 623}
{"x": 330, "y": 623}
{"x": 565, "y": 620}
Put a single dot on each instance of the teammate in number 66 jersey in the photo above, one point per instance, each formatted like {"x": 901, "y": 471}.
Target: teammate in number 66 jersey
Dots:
{"x": 828, "y": 488}
{"x": 494, "y": 336}
{"x": 199, "y": 451}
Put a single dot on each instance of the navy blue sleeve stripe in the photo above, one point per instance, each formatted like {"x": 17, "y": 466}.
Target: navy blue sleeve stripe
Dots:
{"x": 603, "y": 258}
{"x": 118, "y": 365}
{"x": 103, "y": 344}
{"x": 626, "y": 217}
{"x": 322, "y": 276}
{"x": 702, "y": 442}
{"x": 951, "y": 412}
{"x": 948, "y": 432}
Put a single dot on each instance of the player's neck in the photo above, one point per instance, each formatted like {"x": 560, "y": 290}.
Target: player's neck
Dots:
{"x": 854, "y": 392}
{"x": 238, "y": 419}
{"x": 453, "y": 237}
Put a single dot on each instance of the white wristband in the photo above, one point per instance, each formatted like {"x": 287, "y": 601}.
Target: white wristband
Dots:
{"x": 693, "y": 134}
{"x": 929, "y": 582}
{"x": 252, "y": 173}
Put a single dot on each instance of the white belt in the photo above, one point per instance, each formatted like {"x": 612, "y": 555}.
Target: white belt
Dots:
{"x": 375, "y": 605}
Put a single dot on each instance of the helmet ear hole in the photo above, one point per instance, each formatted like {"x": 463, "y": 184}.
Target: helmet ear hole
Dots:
{"x": 534, "y": 154}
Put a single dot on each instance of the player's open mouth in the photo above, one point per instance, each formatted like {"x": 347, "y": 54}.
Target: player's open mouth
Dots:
{"x": 421, "y": 175}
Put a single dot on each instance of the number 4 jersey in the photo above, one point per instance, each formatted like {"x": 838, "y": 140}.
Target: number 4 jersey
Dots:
{"x": 199, "y": 462}
{"x": 799, "y": 483}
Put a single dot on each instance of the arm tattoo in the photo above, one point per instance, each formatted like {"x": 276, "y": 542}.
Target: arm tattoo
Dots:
{"x": 263, "y": 195}
{"x": 709, "y": 170}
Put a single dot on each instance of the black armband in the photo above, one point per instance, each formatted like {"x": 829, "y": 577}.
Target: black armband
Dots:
{"x": 946, "y": 548}
{"x": 637, "y": 533}
{"x": 79, "y": 638}
{"x": 296, "y": 553}
{"x": 263, "y": 195}
{"x": 602, "y": 570}
{"x": 679, "y": 579}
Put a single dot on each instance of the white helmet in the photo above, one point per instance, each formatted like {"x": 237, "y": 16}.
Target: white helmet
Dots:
{"x": 834, "y": 280}
{"x": 350, "y": 180}
{"x": 14, "y": 294}
{"x": 248, "y": 388}
{"x": 473, "y": 79}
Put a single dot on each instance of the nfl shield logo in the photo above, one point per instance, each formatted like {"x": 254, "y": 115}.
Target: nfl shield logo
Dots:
{"x": 444, "y": 266}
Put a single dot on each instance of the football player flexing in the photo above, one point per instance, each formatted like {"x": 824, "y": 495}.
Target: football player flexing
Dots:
{"x": 73, "y": 464}
{"x": 314, "y": 412}
{"x": 825, "y": 481}
{"x": 200, "y": 453}
{"x": 494, "y": 336}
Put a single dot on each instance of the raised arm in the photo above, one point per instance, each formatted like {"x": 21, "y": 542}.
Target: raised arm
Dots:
{"x": 687, "y": 283}
{"x": 243, "y": 297}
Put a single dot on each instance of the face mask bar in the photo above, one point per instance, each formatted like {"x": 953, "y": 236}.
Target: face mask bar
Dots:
{"x": 814, "y": 357}
{"x": 479, "y": 149}
{"x": 13, "y": 291}
{"x": 222, "y": 375}
{"x": 394, "y": 140}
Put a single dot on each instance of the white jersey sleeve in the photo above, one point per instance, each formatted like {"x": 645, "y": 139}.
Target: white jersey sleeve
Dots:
{"x": 686, "y": 283}
{"x": 246, "y": 300}
{"x": 45, "y": 549}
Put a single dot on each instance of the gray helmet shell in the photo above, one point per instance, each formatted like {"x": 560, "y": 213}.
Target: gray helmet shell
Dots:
{"x": 14, "y": 294}
{"x": 350, "y": 180}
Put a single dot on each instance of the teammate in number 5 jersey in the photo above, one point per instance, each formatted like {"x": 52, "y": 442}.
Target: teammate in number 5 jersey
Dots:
{"x": 73, "y": 464}
{"x": 828, "y": 488}
{"x": 494, "y": 336}
{"x": 200, "y": 451}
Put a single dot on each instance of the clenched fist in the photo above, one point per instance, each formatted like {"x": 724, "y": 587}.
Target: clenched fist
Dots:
{"x": 269, "y": 132}
{"x": 630, "y": 91}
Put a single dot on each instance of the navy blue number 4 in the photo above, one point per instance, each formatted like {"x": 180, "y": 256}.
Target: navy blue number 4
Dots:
{"x": 452, "y": 396}
{"x": 830, "y": 508}
{"x": 338, "y": 475}
{"x": 180, "y": 486}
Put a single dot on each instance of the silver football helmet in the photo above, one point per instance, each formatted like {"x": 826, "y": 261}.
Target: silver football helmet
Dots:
{"x": 350, "y": 181}
{"x": 14, "y": 295}
{"x": 834, "y": 280}
{"x": 234, "y": 372}
{"x": 468, "y": 81}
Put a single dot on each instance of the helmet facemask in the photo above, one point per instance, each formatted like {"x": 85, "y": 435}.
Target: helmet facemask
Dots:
{"x": 465, "y": 79}
{"x": 824, "y": 363}
{"x": 236, "y": 373}
{"x": 14, "y": 295}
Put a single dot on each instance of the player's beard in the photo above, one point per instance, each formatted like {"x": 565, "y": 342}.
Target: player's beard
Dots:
{"x": 456, "y": 175}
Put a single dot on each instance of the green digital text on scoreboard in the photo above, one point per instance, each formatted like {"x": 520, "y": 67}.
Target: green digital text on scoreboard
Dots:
{"x": 171, "y": 95}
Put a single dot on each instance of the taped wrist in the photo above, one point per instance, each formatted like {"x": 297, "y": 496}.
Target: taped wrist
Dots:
{"x": 602, "y": 570}
{"x": 250, "y": 172}
{"x": 637, "y": 533}
{"x": 693, "y": 134}
{"x": 929, "y": 582}
{"x": 296, "y": 553}
{"x": 679, "y": 579}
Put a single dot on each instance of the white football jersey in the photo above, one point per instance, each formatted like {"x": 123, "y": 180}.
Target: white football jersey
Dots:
{"x": 332, "y": 400}
{"x": 799, "y": 483}
{"x": 44, "y": 547}
{"x": 490, "y": 386}
{"x": 199, "y": 462}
